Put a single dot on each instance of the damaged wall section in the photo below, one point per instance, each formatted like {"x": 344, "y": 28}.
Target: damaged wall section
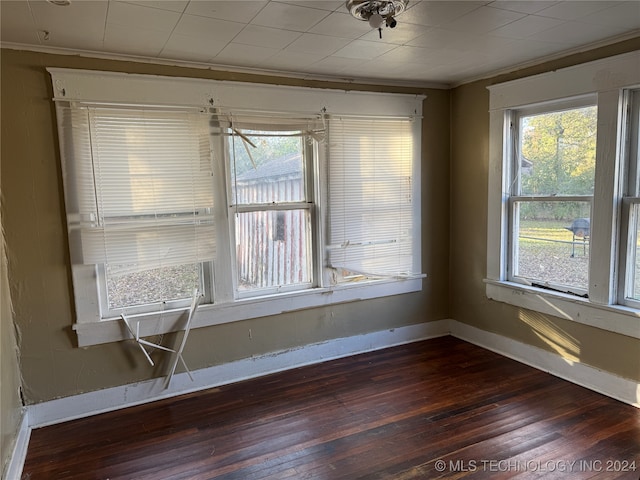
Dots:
{"x": 11, "y": 409}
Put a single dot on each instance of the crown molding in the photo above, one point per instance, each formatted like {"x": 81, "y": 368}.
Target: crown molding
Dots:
{"x": 227, "y": 68}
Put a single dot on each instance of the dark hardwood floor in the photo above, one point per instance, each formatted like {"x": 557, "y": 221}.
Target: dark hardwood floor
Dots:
{"x": 440, "y": 408}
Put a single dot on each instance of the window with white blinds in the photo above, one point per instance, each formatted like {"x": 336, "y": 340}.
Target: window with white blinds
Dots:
{"x": 142, "y": 196}
{"x": 263, "y": 198}
{"x": 370, "y": 196}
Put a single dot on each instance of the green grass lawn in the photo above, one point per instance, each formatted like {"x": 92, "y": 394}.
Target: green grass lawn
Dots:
{"x": 553, "y": 230}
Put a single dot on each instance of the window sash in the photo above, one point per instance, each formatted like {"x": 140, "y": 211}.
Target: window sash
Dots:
{"x": 151, "y": 302}
{"x": 273, "y": 258}
{"x": 513, "y": 120}
{"x": 268, "y": 184}
{"x": 514, "y": 255}
{"x": 630, "y": 255}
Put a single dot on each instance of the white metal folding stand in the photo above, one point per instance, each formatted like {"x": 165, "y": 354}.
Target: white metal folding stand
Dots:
{"x": 141, "y": 341}
{"x": 195, "y": 301}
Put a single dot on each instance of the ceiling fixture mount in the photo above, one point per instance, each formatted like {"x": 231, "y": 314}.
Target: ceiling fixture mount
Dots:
{"x": 378, "y": 13}
{"x": 60, "y": 3}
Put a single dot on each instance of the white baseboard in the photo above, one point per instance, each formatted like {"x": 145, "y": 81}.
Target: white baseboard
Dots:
{"x": 622, "y": 389}
{"x": 92, "y": 403}
{"x": 19, "y": 454}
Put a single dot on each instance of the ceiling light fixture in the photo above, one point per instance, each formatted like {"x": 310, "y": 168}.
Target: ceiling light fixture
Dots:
{"x": 60, "y": 3}
{"x": 377, "y": 12}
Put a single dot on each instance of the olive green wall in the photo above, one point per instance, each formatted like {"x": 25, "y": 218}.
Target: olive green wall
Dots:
{"x": 454, "y": 214}
{"x": 608, "y": 351}
{"x": 40, "y": 283}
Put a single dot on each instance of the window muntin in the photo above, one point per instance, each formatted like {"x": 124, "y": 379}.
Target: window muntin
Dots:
{"x": 553, "y": 165}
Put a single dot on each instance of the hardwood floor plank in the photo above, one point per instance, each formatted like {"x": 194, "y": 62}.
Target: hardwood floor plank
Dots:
{"x": 391, "y": 414}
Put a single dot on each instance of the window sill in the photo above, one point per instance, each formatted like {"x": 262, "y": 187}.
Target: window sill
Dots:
{"x": 94, "y": 333}
{"x": 613, "y": 318}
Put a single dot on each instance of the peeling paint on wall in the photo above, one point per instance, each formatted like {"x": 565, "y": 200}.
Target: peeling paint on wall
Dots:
{"x": 11, "y": 401}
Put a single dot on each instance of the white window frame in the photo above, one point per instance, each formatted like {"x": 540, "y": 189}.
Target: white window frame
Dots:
{"x": 608, "y": 79}
{"x": 132, "y": 89}
{"x": 310, "y": 158}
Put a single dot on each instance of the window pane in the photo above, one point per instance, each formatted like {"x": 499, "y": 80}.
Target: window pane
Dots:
{"x": 151, "y": 286}
{"x": 552, "y": 243}
{"x": 272, "y": 171}
{"x": 557, "y": 152}
{"x": 633, "y": 289}
{"x": 273, "y": 249}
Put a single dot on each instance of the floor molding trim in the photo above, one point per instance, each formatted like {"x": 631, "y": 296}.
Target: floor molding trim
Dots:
{"x": 19, "y": 453}
{"x": 115, "y": 398}
{"x": 581, "y": 374}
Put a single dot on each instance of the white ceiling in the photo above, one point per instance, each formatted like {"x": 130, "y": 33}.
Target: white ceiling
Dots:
{"x": 435, "y": 42}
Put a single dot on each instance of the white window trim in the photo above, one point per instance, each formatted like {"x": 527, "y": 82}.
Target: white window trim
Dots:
{"x": 114, "y": 88}
{"x": 217, "y": 314}
{"x": 606, "y": 78}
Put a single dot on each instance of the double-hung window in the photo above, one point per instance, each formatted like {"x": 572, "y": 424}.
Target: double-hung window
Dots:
{"x": 176, "y": 186}
{"x": 552, "y": 160}
{"x": 564, "y": 194}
